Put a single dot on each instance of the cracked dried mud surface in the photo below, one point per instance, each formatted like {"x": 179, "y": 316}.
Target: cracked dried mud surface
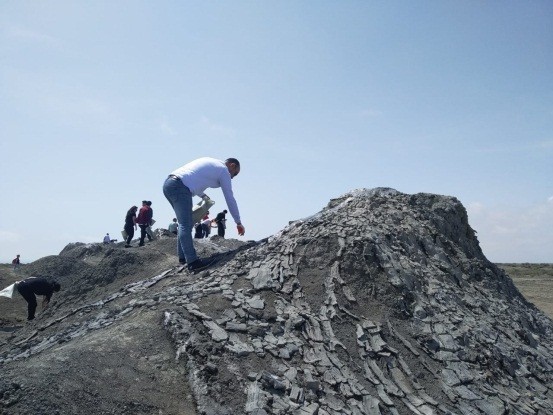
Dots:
{"x": 382, "y": 303}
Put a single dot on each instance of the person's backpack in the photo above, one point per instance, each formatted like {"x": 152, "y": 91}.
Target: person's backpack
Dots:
{"x": 14, "y": 261}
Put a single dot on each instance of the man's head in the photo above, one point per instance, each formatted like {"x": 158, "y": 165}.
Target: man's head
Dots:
{"x": 174, "y": 219}
{"x": 149, "y": 203}
{"x": 233, "y": 166}
{"x": 56, "y": 286}
{"x": 144, "y": 203}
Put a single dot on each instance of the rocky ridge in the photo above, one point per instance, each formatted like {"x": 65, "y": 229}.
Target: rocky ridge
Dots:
{"x": 382, "y": 303}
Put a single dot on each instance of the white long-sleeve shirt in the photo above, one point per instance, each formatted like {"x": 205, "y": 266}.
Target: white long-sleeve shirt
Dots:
{"x": 206, "y": 172}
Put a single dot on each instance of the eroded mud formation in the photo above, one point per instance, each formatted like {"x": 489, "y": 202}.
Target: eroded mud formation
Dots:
{"x": 382, "y": 303}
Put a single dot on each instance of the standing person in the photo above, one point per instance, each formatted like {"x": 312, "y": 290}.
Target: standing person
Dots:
{"x": 31, "y": 287}
{"x": 206, "y": 225}
{"x": 191, "y": 180}
{"x": 130, "y": 225}
{"x": 198, "y": 230}
{"x": 16, "y": 262}
{"x": 149, "y": 232}
{"x": 220, "y": 220}
{"x": 143, "y": 220}
{"x": 173, "y": 226}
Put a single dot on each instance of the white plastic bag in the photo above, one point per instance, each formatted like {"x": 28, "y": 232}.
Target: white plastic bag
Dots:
{"x": 8, "y": 291}
{"x": 200, "y": 210}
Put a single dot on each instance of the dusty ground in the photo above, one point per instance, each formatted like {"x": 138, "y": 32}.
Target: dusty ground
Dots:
{"x": 535, "y": 282}
{"x": 139, "y": 356}
{"x": 135, "y": 354}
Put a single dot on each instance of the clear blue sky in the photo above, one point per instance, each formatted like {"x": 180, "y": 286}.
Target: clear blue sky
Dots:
{"x": 100, "y": 100}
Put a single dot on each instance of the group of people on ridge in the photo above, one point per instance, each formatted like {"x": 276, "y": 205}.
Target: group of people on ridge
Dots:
{"x": 144, "y": 220}
{"x": 203, "y": 228}
{"x": 179, "y": 187}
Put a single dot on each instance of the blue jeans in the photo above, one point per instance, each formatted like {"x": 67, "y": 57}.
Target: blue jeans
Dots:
{"x": 180, "y": 198}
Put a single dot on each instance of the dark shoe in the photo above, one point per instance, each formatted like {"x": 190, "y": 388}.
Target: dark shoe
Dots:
{"x": 128, "y": 246}
{"x": 199, "y": 265}
{"x": 182, "y": 261}
{"x": 141, "y": 244}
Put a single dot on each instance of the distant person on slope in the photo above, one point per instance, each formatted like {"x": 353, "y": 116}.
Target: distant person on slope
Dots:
{"x": 107, "y": 239}
{"x": 31, "y": 287}
{"x": 149, "y": 232}
{"x": 191, "y": 180}
{"x": 130, "y": 225}
{"x": 173, "y": 226}
{"x": 198, "y": 231}
{"x": 206, "y": 225}
{"x": 143, "y": 220}
{"x": 221, "y": 222}
{"x": 16, "y": 262}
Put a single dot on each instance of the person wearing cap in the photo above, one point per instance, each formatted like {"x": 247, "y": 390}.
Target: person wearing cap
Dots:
{"x": 31, "y": 287}
{"x": 191, "y": 180}
{"x": 143, "y": 221}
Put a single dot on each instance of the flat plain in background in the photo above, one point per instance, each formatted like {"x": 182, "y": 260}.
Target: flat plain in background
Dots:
{"x": 535, "y": 282}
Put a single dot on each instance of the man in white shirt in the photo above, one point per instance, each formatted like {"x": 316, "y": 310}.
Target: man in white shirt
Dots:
{"x": 191, "y": 180}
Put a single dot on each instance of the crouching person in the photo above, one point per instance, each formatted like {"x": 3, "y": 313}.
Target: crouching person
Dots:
{"x": 31, "y": 287}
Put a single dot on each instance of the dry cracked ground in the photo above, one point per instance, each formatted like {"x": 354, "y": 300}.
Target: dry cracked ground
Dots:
{"x": 382, "y": 303}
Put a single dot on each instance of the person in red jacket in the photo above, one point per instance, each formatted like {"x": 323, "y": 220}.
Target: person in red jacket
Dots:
{"x": 143, "y": 220}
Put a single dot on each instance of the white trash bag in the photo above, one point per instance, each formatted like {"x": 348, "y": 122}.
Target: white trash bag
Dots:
{"x": 8, "y": 291}
{"x": 201, "y": 209}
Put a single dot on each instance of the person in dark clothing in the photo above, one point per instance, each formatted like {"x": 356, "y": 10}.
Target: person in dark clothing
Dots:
{"x": 130, "y": 225}
{"x": 220, "y": 221}
{"x": 16, "y": 261}
{"x": 31, "y": 287}
{"x": 149, "y": 233}
{"x": 143, "y": 220}
{"x": 199, "y": 231}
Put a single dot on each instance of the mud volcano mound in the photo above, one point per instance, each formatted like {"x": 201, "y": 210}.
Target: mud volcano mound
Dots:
{"x": 382, "y": 303}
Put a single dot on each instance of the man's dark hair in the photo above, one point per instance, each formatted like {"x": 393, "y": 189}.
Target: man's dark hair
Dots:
{"x": 56, "y": 286}
{"x": 233, "y": 160}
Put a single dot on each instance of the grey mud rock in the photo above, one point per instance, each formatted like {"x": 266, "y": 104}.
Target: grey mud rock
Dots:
{"x": 382, "y": 303}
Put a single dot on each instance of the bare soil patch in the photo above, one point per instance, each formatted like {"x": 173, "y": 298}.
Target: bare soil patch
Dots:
{"x": 535, "y": 282}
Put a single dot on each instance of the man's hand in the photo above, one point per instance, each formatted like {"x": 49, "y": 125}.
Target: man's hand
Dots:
{"x": 241, "y": 229}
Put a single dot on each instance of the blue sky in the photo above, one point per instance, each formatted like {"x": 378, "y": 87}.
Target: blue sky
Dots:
{"x": 101, "y": 100}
